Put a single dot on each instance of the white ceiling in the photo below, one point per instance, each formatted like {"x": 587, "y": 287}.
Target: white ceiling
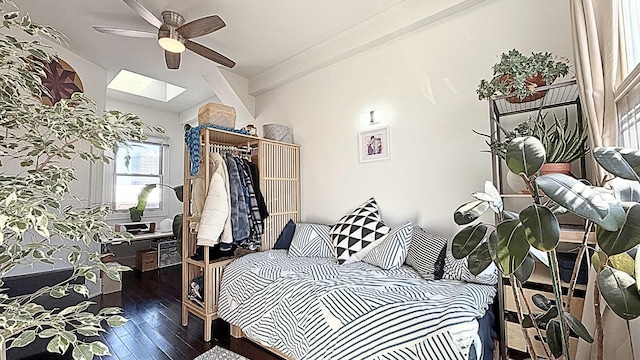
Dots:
{"x": 259, "y": 35}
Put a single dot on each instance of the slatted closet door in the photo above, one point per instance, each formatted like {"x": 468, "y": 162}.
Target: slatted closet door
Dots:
{"x": 280, "y": 185}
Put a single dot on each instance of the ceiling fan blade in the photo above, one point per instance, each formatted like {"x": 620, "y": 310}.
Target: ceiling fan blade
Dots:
{"x": 126, "y": 32}
{"x": 209, "y": 54}
{"x": 172, "y": 60}
{"x": 144, "y": 13}
{"x": 202, "y": 26}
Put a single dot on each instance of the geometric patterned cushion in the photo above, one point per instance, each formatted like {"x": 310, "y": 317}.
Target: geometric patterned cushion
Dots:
{"x": 357, "y": 230}
{"x": 458, "y": 269}
{"x": 424, "y": 252}
{"x": 393, "y": 248}
{"x": 311, "y": 240}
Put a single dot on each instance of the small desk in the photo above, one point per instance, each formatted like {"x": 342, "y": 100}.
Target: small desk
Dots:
{"x": 128, "y": 253}
{"x": 139, "y": 237}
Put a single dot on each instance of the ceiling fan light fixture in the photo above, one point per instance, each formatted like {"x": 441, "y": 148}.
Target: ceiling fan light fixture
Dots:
{"x": 172, "y": 45}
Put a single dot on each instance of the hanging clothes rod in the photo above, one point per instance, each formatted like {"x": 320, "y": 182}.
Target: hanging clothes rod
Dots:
{"x": 243, "y": 152}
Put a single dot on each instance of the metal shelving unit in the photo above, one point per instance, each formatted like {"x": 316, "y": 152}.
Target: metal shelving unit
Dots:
{"x": 563, "y": 94}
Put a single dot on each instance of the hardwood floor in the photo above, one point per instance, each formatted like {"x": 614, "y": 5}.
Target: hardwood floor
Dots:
{"x": 152, "y": 303}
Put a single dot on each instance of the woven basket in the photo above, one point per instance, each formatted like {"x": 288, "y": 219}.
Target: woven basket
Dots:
{"x": 217, "y": 114}
{"x": 277, "y": 132}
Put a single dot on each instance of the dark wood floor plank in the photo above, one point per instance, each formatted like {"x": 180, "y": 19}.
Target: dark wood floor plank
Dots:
{"x": 152, "y": 303}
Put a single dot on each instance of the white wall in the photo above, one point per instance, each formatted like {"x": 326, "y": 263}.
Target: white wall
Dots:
{"x": 426, "y": 81}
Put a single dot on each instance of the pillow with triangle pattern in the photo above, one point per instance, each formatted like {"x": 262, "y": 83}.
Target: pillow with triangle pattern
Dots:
{"x": 358, "y": 230}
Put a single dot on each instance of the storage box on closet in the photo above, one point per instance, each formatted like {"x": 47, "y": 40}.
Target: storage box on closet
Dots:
{"x": 278, "y": 168}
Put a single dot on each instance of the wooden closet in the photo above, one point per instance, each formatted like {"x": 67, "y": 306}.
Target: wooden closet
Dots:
{"x": 279, "y": 173}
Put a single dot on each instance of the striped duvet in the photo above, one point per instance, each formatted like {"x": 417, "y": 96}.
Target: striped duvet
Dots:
{"x": 313, "y": 308}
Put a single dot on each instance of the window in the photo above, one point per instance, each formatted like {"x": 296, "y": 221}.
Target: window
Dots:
{"x": 135, "y": 165}
{"x": 628, "y": 93}
{"x": 631, "y": 26}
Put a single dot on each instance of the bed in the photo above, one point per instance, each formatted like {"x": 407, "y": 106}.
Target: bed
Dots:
{"x": 359, "y": 289}
{"x": 314, "y": 308}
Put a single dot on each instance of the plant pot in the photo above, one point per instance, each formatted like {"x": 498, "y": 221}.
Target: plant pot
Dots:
{"x": 533, "y": 82}
{"x": 556, "y": 168}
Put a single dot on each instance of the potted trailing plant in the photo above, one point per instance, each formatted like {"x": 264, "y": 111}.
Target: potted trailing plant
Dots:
{"x": 518, "y": 75}
{"x": 40, "y": 220}
{"x": 513, "y": 243}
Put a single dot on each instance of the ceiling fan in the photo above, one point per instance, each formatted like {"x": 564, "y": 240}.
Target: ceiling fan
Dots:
{"x": 174, "y": 34}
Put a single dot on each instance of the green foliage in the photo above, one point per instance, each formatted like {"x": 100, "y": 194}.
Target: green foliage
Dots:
{"x": 512, "y": 75}
{"x": 562, "y": 143}
{"x": 525, "y": 155}
{"x": 615, "y": 211}
{"x": 137, "y": 211}
{"x": 40, "y": 220}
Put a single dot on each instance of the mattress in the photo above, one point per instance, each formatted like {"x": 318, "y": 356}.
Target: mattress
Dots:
{"x": 313, "y": 308}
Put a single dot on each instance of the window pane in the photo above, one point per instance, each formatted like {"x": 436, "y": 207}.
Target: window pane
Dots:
{"x": 128, "y": 187}
{"x": 136, "y": 158}
{"x": 631, "y": 18}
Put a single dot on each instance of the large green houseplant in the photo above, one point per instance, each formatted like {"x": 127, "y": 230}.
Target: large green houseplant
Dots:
{"x": 40, "y": 220}
{"x": 518, "y": 75}
{"x": 534, "y": 232}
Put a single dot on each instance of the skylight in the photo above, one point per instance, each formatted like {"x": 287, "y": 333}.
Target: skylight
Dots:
{"x": 136, "y": 84}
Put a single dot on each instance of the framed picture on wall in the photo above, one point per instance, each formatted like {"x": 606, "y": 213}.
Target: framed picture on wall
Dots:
{"x": 374, "y": 144}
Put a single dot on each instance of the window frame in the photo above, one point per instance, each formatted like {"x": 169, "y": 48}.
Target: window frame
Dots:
{"x": 630, "y": 85}
{"x": 110, "y": 176}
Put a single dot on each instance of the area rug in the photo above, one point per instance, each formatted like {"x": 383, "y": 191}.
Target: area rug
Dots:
{"x": 218, "y": 353}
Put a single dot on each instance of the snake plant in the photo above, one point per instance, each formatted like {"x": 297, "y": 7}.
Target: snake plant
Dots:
{"x": 562, "y": 141}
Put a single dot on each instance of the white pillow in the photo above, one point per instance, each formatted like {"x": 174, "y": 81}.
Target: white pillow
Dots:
{"x": 311, "y": 240}
{"x": 392, "y": 250}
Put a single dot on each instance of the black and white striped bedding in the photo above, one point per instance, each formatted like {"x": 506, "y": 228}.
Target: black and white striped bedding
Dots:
{"x": 313, "y": 308}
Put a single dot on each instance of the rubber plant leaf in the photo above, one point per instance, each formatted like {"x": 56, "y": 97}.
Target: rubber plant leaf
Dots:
{"x": 616, "y": 242}
{"x": 541, "y": 227}
{"x": 550, "y": 314}
{"x": 578, "y": 328}
{"x": 525, "y": 155}
{"x": 598, "y": 259}
{"x": 617, "y": 214}
{"x": 541, "y": 302}
{"x": 177, "y": 226}
{"x": 540, "y": 255}
{"x": 625, "y": 190}
{"x": 510, "y": 247}
{"x": 470, "y": 212}
{"x": 621, "y": 162}
{"x": 178, "y": 190}
{"x": 490, "y": 189}
{"x": 637, "y": 271}
{"x": 527, "y": 321}
{"x": 620, "y": 292}
{"x": 623, "y": 262}
{"x": 467, "y": 239}
{"x": 575, "y": 196}
{"x": 554, "y": 338}
{"x": 479, "y": 259}
{"x": 523, "y": 273}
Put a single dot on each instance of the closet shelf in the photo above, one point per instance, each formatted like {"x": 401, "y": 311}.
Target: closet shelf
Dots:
{"x": 230, "y": 138}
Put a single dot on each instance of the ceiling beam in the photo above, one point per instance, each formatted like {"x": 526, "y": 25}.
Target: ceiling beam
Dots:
{"x": 406, "y": 17}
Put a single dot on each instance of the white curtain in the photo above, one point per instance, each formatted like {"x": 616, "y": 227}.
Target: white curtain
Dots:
{"x": 599, "y": 65}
